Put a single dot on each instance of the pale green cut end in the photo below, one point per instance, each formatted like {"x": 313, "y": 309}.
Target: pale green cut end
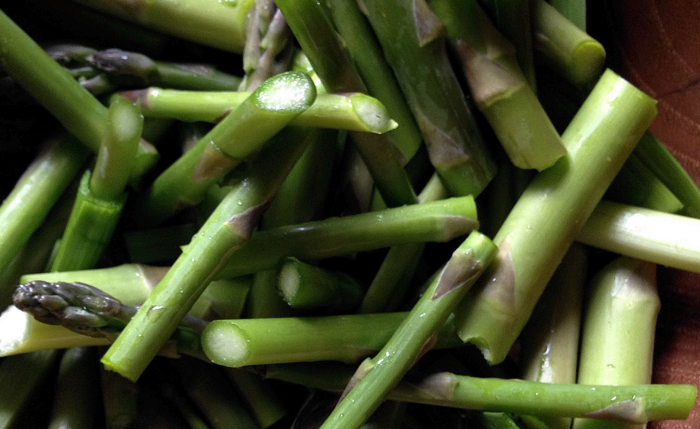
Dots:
{"x": 286, "y": 93}
{"x": 226, "y": 344}
{"x": 587, "y": 63}
{"x": 289, "y": 281}
{"x": 372, "y": 113}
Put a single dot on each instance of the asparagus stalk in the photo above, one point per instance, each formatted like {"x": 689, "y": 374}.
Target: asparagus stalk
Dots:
{"x": 650, "y": 235}
{"x": 411, "y": 40}
{"x": 220, "y": 25}
{"x": 617, "y": 344}
{"x": 437, "y": 221}
{"x": 661, "y": 402}
{"x": 574, "y": 11}
{"x": 262, "y": 115}
{"x": 245, "y": 342}
{"x": 258, "y": 395}
{"x": 119, "y": 399}
{"x": 330, "y": 60}
{"x": 306, "y": 286}
{"x": 550, "y": 339}
{"x": 101, "y": 196}
{"x": 355, "y": 111}
{"x": 377, "y": 376}
{"x": 75, "y": 108}
{"x": 24, "y": 210}
{"x": 76, "y": 390}
{"x": 564, "y": 47}
{"x": 226, "y": 231}
{"x": 551, "y": 212}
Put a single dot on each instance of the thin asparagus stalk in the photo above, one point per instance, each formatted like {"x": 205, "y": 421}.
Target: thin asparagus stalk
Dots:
{"x": 499, "y": 87}
{"x": 24, "y": 210}
{"x": 24, "y": 373}
{"x": 491, "y": 420}
{"x": 101, "y": 196}
{"x": 75, "y": 108}
{"x": 551, "y": 212}
{"x": 661, "y": 402}
{"x": 329, "y": 58}
{"x": 220, "y": 25}
{"x": 377, "y": 376}
{"x": 617, "y": 345}
{"x": 564, "y": 47}
{"x": 367, "y": 54}
{"x": 411, "y": 40}
{"x": 76, "y": 390}
{"x": 550, "y": 339}
{"x": 262, "y": 401}
{"x": 355, "y": 112}
{"x": 226, "y": 231}
{"x": 118, "y": 64}
{"x": 650, "y": 235}
{"x": 262, "y": 115}
{"x": 305, "y": 286}
{"x": 437, "y": 221}
{"x": 245, "y": 342}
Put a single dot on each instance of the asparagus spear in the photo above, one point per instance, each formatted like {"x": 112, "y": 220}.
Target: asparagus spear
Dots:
{"x": 263, "y": 114}
{"x": 574, "y": 11}
{"x": 220, "y": 25}
{"x": 551, "y": 212}
{"x": 375, "y": 377}
{"x": 76, "y": 390}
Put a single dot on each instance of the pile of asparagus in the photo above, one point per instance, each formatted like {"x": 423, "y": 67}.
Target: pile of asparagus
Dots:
{"x": 243, "y": 244}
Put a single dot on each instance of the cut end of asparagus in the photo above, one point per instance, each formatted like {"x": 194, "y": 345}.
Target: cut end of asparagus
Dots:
{"x": 286, "y": 93}
{"x": 587, "y": 63}
{"x": 372, "y": 113}
{"x": 226, "y": 344}
{"x": 289, "y": 281}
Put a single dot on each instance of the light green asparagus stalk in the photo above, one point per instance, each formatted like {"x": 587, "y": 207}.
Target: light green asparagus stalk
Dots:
{"x": 367, "y": 55}
{"x": 414, "y": 47}
{"x": 329, "y": 58}
{"x": 245, "y": 342}
{"x": 437, "y": 221}
{"x": 77, "y": 390}
{"x": 499, "y": 87}
{"x": 564, "y": 47}
{"x": 221, "y": 25}
{"x": 75, "y": 108}
{"x": 617, "y": 345}
{"x": 305, "y": 286}
{"x": 101, "y": 196}
{"x": 355, "y": 112}
{"x": 650, "y": 235}
{"x": 551, "y": 212}
{"x": 550, "y": 339}
{"x": 25, "y": 209}
{"x": 226, "y": 231}
{"x": 263, "y": 114}
{"x": 24, "y": 373}
{"x": 377, "y": 376}
{"x": 660, "y": 402}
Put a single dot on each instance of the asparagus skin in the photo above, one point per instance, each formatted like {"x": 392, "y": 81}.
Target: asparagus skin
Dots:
{"x": 353, "y": 111}
{"x": 617, "y": 343}
{"x": 262, "y": 400}
{"x": 75, "y": 108}
{"x": 412, "y": 39}
{"x": 211, "y": 23}
{"x": 574, "y": 11}
{"x": 263, "y": 114}
{"x": 661, "y": 402}
{"x": 76, "y": 390}
{"x": 23, "y": 211}
{"x": 614, "y": 116}
{"x": 375, "y": 377}
{"x": 367, "y": 55}
{"x": 330, "y": 60}
{"x": 564, "y": 47}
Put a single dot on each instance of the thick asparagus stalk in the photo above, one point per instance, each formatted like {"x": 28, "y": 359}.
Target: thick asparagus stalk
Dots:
{"x": 76, "y": 390}
{"x": 75, "y": 108}
{"x": 212, "y": 23}
{"x": 355, "y": 112}
{"x": 262, "y": 115}
{"x": 375, "y": 377}
{"x": 551, "y": 212}
{"x": 617, "y": 344}
{"x": 411, "y": 40}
